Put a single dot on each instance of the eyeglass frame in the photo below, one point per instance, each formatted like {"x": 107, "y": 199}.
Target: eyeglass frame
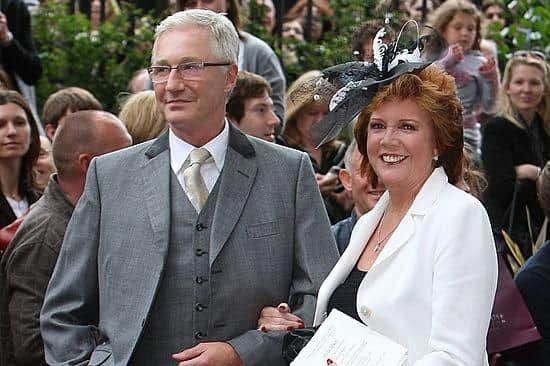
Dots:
{"x": 180, "y": 70}
{"x": 529, "y": 53}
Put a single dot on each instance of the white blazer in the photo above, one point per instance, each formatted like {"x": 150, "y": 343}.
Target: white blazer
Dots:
{"x": 432, "y": 286}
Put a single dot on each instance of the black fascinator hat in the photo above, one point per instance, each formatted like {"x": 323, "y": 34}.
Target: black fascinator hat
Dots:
{"x": 350, "y": 87}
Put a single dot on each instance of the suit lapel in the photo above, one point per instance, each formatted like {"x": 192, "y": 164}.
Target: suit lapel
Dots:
{"x": 236, "y": 179}
{"x": 155, "y": 179}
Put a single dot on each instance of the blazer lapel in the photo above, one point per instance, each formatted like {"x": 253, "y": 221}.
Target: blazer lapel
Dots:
{"x": 236, "y": 181}
{"x": 155, "y": 179}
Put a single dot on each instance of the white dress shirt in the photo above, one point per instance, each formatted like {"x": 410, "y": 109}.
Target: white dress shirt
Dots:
{"x": 211, "y": 169}
{"x": 18, "y": 207}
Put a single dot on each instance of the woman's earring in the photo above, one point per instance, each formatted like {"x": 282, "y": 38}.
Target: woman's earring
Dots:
{"x": 435, "y": 158}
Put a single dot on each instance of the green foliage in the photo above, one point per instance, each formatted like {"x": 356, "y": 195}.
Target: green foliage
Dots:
{"x": 101, "y": 61}
{"x": 333, "y": 48}
{"x": 528, "y": 29}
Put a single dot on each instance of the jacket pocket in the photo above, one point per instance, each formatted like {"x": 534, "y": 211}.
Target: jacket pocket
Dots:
{"x": 262, "y": 230}
{"x": 102, "y": 355}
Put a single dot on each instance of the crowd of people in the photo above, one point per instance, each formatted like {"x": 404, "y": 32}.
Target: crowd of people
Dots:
{"x": 220, "y": 209}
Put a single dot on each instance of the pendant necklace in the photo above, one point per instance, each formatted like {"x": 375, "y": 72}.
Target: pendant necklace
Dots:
{"x": 380, "y": 241}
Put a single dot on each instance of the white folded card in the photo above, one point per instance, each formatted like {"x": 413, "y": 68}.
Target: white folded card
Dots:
{"x": 348, "y": 342}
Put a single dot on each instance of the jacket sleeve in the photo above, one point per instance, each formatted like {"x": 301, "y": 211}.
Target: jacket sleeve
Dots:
{"x": 69, "y": 316}
{"x": 498, "y": 162}
{"x": 28, "y": 271}
{"x": 315, "y": 253}
{"x": 20, "y": 55}
{"x": 464, "y": 265}
{"x": 266, "y": 64}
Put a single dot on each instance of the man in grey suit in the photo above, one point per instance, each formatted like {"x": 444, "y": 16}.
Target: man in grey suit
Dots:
{"x": 177, "y": 244}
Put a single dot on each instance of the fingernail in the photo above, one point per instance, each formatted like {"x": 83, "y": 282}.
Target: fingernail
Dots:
{"x": 289, "y": 328}
{"x": 282, "y": 308}
{"x": 263, "y": 328}
{"x": 330, "y": 362}
{"x": 301, "y": 325}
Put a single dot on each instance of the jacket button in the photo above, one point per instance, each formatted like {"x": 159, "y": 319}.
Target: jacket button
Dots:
{"x": 200, "y": 227}
{"x": 365, "y": 311}
{"x": 199, "y": 335}
{"x": 199, "y": 279}
{"x": 199, "y": 307}
{"x": 199, "y": 252}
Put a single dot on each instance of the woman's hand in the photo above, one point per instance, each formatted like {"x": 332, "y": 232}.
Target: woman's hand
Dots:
{"x": 279, "y": 318}
{"x": 527, "y": 171}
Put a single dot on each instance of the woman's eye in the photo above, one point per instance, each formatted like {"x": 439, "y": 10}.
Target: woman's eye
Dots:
{"x": 376, "y": 125}
{"x": 408, "y": 126}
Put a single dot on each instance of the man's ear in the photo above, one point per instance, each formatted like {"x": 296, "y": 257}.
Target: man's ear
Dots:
{"x": 84, "y": 160}
{"x": 231, "y": 78}
{"x": 50, "y": 131}
{"x": 345, "y": 179}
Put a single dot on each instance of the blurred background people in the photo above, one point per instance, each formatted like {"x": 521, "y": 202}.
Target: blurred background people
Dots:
{"x": 250, "y": 107}
{"x": 292, "y": 33}
{"x": 254, "y": 54}
{"x": 28, "y": 263}
{"x": 64, "y": 102}
{"x": 139, "y": 81}
{"x": 361, "y": 39}
{"x": 417, "y": 10}
{"x": 364, "y": 195}
{"x": 476, "y": 76}
{"x": 303, "y": 111}
{"x": 516, "y": 145}
{"x": 19, "y": 149}
{"x": 142, "y": 116}
{"x": 18, "y": 55}
{"x": 493, "y": 12}
{"x": 321, "y": 16}
{"x": 43, "y": 167}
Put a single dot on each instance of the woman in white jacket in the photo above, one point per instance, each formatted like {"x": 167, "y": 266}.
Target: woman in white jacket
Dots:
{"x": 420, "y": 267}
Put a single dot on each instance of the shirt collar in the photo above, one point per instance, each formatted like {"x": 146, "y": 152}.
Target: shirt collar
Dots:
{"x": 180, "y": 149}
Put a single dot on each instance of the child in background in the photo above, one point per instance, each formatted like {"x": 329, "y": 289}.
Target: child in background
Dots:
{"x": 476, "y": 75}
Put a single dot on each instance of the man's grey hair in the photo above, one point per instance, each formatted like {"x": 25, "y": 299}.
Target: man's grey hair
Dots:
{"x": 348, "y": 157}
{"x": 225, "y": 40}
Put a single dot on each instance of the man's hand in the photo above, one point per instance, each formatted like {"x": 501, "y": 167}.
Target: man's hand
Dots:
{"x": 326, "y": 183}
{"x": 209, "y": 354}
{"x": 4, "y": 31}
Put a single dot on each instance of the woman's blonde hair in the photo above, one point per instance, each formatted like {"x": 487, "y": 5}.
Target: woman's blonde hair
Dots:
{"x": 443, "y": 15}
{"x": 142, "y": 117}
{"x": 504, "y": 106}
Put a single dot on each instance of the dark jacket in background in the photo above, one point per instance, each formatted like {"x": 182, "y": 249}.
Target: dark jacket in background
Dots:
{"x": 533, "y": 281}
{"x": 505, "y": 146}
{"x": 25, "y": 271}
{"x": 20, "y": 56}
{"x": 342, "y": 231}
{"x": 7, "y": 216}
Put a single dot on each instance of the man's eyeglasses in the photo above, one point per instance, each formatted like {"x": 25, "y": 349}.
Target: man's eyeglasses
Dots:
{"x": 534, "y": 54}
{"x": 187, "y": 71}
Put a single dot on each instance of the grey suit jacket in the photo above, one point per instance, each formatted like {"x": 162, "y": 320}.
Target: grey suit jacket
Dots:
{"x": 268, "y": 207}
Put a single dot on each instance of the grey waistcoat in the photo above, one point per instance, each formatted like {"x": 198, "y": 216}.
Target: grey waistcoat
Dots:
{"x": 179, "y": 317}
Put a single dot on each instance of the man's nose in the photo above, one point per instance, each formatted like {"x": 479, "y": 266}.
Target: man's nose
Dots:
{"x": 175, "y": 81}
{"x": 273, "y": 119}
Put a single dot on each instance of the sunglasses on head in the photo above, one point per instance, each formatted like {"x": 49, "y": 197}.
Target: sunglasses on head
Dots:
{"x": 534, "y": 54}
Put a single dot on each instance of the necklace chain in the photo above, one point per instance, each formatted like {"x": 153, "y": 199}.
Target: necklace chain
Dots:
{"x": 380, "y": 241}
